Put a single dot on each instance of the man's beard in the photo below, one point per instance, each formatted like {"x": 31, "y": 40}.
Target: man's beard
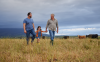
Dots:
{"x": 30, "y": 17}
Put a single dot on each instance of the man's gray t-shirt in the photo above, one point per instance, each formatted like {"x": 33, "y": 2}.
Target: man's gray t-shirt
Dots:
{"x": 52, "y": 24}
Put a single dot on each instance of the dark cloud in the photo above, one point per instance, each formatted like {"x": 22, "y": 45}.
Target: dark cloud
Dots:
{"x": 67, "y": 12}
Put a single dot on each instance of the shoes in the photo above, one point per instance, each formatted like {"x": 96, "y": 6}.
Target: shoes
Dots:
{"x": 51, "y": 42}
{"x": 38, "y": 43}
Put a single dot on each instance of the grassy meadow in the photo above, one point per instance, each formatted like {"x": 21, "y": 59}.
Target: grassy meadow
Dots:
{"x": 64, "y": 50}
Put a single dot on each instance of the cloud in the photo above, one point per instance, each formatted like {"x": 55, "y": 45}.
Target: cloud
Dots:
{"x": 78, "y": 29}
{"x": 71, "y": 14}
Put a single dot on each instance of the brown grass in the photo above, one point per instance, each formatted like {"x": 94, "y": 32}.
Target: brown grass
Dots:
{"x": 64, "y": 50}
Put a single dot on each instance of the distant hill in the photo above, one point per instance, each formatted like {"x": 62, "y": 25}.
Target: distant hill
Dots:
{"x": 13, "y": 32}
{"x": 18, "y": 32}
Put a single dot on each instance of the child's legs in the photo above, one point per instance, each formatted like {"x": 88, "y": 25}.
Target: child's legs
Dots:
{"x": 38, "y": 40}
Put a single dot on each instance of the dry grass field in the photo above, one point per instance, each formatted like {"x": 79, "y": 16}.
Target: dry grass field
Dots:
{"x": 64, "y": 50}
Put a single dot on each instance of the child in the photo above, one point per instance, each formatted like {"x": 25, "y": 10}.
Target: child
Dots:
{"x": 39, "y": 33}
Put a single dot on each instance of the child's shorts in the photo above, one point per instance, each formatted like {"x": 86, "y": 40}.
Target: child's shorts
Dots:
{"x": 38, "y": 37}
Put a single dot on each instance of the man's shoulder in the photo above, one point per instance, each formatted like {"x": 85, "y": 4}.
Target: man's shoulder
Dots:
{"x": 25, "y": 20}
{"x": 50, "y": 19}
{"x": 56, "y": 19}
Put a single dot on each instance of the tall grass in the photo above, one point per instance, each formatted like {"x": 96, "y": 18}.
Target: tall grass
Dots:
{"x": 63, "y": 50}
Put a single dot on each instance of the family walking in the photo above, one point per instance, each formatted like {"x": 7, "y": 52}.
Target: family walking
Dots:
{"x": 29, "y": 28}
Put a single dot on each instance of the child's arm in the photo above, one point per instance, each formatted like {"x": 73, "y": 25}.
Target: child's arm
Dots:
{"x": 35, "y": 31}
{"x": 43, "y": 31}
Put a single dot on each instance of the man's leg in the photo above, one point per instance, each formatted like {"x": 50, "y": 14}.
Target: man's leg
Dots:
{"x": 33, "y": 35}
{"x": 27, "y": 36}
{"x": 51, "y": 36}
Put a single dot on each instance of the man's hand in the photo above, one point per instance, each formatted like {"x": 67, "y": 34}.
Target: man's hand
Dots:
{"x": 25, "y": 31}
{"x": 57, "y": 31}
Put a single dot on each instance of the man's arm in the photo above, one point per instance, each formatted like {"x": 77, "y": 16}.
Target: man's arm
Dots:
{"x": 57, "y": 29}
{"x": 33, "y": 26}
{"x": 57, "y": 26}
{"x": 24, "y": 24}
{"x": 47, "y": 25}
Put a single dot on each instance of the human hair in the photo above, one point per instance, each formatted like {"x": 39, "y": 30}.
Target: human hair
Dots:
{"x": 53, "y": 14}
{"x": 28, "y": 13}
{"x": 38, "y": 27}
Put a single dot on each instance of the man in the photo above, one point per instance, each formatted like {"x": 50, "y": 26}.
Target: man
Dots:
{"x": 53, "y": 24}
{"x": 28, "y": 25}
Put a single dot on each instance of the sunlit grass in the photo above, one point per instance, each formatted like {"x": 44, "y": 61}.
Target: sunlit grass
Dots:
{"x": 64, "y": 50}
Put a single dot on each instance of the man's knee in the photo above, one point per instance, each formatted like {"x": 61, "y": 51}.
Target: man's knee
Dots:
{"x": 51, "y": 35}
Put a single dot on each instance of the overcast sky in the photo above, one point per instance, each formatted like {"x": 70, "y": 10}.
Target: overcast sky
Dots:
{"x": 74, "y": 16}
